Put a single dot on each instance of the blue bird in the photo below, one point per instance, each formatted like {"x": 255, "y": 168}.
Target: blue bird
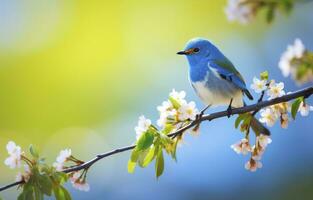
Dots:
{"x": 215, "y": 79}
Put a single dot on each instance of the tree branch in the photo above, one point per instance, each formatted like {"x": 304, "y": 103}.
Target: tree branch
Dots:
{"x": 306, "y": 92}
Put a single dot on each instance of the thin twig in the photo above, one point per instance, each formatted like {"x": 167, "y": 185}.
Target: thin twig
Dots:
{"x": 306, "y": 92}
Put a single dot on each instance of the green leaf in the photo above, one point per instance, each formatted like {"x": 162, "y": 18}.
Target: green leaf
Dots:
{"x": 175, "y": 103}
{"x": 131, "y": 166}
{"x": 295, "y": 106}
{"x": 168, "y": 128}
{"x": 133, "y": 161}
{"x": 61, "y": 193}
{"x": 27, "y": 193}
{"x": 33, "y": 151}
{"x": 45, "y": 184}
{"x": 240, "y": 118}
{"x": 38, "y": 194}
{"x": 150, "y": 156}
{"x": 142, "y": 157}
{"x": 159, "y": 164}
{"x": 60, "y": 177}
{"x": 175, "y": 148}
{"x": 145, "y": 141}
{"x": 134, "y": 155}
{"x": 264, "y": 75}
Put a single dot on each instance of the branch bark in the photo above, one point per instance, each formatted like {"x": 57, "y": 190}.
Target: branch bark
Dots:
{"x": 306, "y": 92}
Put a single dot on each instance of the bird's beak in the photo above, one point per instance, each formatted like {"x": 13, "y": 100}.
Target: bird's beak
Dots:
{"x": 185, "y": 52}
{"x": 182, "y": 53}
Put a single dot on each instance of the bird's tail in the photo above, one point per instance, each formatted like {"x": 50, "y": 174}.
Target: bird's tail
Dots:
{"x": 258, "y": 127}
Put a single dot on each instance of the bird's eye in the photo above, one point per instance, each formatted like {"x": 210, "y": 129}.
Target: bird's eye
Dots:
{"x": 196, "y": 50}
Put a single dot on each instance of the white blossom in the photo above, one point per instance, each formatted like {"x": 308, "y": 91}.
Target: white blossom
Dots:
{"x": 268, "y": 116}
{"x": 242, "y": 147}
{"x": 142, "y": 127}
{"x": 295, "y": 51}
{"x": 238, "y": 10}
{"x": 263, "y": 140}
{"x": 275, "y": 90}
{"x": 305, "y": 109}
{"x": 166, "y": 106}
{"x": 252, "y": 165}
{"x": 61, "y": 159}
{"x": 298, "y": 48}
{"x": 178, "y": 96}
{"x": 15, "y": 155}
{"x": 187, "y": 111}
{"x": 257, "y": 153}
{"x": 258, "y": 85}
{"x": 79, "y": 182}
{"x": 166, "y": 111}
{"x": 281, "y": 108}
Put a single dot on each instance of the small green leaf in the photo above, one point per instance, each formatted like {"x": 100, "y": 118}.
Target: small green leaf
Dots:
{"x": 264, "y": 75}
{"x": 133, "y": 160}
{"x": 149, "y": 157}
{"x": 159, "y": 164}
{"x": 168, "y": 128}
{"x": 38, "y": 194}
{"x": 27, "y": 193}
{"x": 61, "y": 193}
{"x": 33, "y": 151}
{"x": 45, "y": 184}
{"x": 142, "y": 157}
{"x": 60, "y": 177}
{"x": 134, "y": 155}
{"x": 240, "y": 118}
{"x": 145, "y": 141}
{"x": 175, "y": 148}
{"x": 295, "y": 106}
{"x": 175, "y": 103}
{"x": 131, "y": 166}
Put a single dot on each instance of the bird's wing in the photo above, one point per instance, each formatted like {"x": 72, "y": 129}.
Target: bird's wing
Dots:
{"x": 228, "y": 72}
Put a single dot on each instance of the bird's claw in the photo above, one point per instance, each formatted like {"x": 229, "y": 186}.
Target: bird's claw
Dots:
{"x": 229, "y": 111}
{"x": 200, "y": 115}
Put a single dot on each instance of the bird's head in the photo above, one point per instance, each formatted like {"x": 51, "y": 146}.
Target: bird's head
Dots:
{"x": 199, "y": 50}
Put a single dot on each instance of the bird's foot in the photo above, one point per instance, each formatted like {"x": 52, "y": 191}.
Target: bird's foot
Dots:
{"x": 200, "y": 115}
{"x": 229, "y": 109}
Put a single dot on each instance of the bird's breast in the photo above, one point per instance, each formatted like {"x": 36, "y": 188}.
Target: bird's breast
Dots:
{"x": 213, "y": 90}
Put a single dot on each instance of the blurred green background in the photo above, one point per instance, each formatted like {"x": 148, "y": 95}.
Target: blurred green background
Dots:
{"x": 79, "y": 73}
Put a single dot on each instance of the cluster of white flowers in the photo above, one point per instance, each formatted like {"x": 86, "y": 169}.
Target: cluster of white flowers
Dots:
{"x": 257, "y": 151}
{"x": 243, "y": 147}
{"x": 181, "y": 112}
{"x": 240, "y": 10}
{"x": 63, "y": 156}
{"x": 15, "y": 159}
{"x": 291, "y": 59}
{"x": 78, "y": 181}
{"x": 271, "y": 114}
{"x": 15, "y": 155}
{"x": 174, "y": 111}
